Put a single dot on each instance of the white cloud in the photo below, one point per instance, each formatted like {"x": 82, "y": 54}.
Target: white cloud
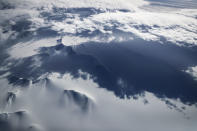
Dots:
{"x": 192, "y": 71}
{"x": 176, "y": 26}
{"x": 187, "y": 12}
{"x": 112, "y": 4}
{"x": 27, "y": 49}
{"x": 111, "y": 112}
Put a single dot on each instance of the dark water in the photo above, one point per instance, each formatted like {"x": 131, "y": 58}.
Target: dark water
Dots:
{"x": 146, "y": 66}
{"x": 127, "y": 68}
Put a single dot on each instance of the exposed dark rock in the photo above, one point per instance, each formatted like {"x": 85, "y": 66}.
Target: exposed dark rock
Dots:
{"x": 10, "y": 97}
{"x": 77, "y": 98}
{"x": 18, "y": 81}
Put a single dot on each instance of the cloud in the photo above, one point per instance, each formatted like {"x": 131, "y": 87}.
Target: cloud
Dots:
{"x": 177, "y": 27}
{"x": 119, "y": 20}
{"x": 152, "y": 26}
{"x": 127, "y": 114}
{"x": 175, "y": 3}
{"x": 30, "y": 48}
{"x": 192, "y": 71}
{"x": 82, "y": 3}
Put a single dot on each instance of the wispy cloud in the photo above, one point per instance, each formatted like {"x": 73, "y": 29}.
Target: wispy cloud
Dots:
{"x": 192, "y": 71}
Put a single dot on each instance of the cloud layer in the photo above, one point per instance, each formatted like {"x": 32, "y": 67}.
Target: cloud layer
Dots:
{"x": 43, "y": 112}
{"x": 104, "y": 23}
{"x": 39, "y": 38}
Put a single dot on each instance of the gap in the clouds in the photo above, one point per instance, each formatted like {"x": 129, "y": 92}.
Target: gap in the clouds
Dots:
{"x": 150, "y": 65}
{"x": 126, "y": 68}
